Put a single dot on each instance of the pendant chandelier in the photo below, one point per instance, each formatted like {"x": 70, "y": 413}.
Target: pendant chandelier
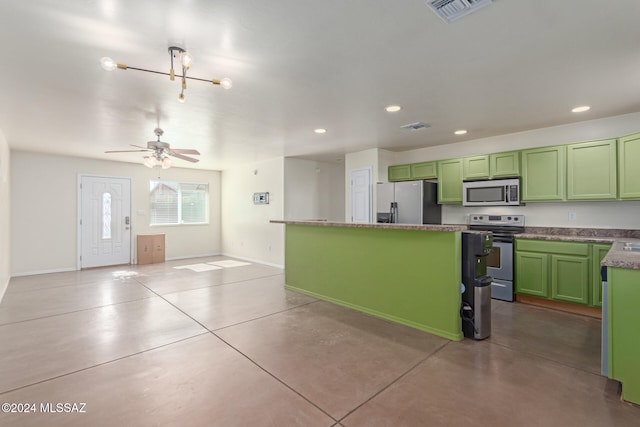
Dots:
{"x": 177, "y": 54}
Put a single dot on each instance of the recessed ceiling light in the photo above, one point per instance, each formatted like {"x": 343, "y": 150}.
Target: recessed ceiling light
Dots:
{"x": 581, "y": 109}
{"x": 460, "y": 132}
{"x": 393, "y": 108}
{"x": 320, "y": 130}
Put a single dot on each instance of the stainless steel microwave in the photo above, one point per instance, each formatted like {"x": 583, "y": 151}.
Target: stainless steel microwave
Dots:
{"x": 491, "y": 192}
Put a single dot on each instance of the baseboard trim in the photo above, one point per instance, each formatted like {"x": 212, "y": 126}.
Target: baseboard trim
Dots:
{"x": 34, "y": 273}
{"x": 561, "y": 306}
{"x": 257, "y": 261}
{"x": 3, "y": 290}
{"x": 178, "y": 258}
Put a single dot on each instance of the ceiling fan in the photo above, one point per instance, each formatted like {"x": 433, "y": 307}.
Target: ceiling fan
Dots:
{"x": 160, "y": 152}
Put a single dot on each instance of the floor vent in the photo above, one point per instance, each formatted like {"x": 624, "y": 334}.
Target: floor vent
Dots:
{"x": 415, "y": 126}
{"x": 450, "y": 10}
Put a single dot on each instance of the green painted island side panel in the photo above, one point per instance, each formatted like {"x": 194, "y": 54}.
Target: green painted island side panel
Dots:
{"x": 407, "y": 276}
{"x": 624, "y": 345}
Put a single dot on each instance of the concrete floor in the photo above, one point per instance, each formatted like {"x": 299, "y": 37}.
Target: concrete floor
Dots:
{"x": 156, "y": 345}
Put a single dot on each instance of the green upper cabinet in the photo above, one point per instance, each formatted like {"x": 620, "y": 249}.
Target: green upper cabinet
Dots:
{"x": 628, "y": 166}
{"x": 476, "y": 167}
{"x": 504, "y": 164}
{"x": 399, "y": 173}
{"x": 543, "y": 173}
{"x": 424, "y": 170}
{"x": 591, "y": 170}
{"x": 450, "y": 181}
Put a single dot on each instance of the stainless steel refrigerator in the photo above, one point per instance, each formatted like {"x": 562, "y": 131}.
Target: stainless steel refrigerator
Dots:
{"x": 415, "y": 202}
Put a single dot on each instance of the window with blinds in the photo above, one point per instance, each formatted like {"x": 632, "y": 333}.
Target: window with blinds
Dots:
{"x": 178, "y": 203}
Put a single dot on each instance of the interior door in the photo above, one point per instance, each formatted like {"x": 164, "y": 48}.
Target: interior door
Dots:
{"x": 361, "y": 195}
{"x": 105, "y": 221}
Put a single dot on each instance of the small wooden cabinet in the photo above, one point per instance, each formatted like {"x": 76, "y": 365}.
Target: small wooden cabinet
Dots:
{"x": 151, "y": 248}
{"x": 592, "y": 170}
{"x": 543, "y": 174}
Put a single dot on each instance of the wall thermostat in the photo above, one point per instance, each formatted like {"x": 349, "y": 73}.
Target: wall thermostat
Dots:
{"x": 261, "y": 198}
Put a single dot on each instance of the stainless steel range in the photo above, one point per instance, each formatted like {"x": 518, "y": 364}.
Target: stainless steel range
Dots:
{"x": 500, "y": 260}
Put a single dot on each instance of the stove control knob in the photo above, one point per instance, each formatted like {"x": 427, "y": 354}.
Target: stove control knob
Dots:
{"x": 508, "y": 218}
{"x": 515, "y": 218}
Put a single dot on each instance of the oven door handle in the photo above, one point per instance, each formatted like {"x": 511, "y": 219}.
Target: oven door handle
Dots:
{"x": 502, "y": 239}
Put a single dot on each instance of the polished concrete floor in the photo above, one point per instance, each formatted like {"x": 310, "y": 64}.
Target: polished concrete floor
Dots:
{"x": 156, "y": 345}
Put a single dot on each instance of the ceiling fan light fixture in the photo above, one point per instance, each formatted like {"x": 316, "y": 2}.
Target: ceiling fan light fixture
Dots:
{"x": 149, "y": 161}
{"x": 181, "y": 98}
{"x": 166, "y": 163}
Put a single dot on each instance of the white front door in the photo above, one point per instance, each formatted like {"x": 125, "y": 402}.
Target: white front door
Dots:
{"x": 105, "y": 221}
{"x": 361, "y": 195}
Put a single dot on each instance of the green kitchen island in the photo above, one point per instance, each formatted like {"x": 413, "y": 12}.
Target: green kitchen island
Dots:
{"x": 409, "y": 274}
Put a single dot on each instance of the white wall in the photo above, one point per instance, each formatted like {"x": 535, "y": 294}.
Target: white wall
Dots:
{"x": 5, "y": 219}
{"x": 615, "y": 214}
{"x": 313, "y": 190}
{"x": 44, "y": 210}
{"x": 247, "y": 233}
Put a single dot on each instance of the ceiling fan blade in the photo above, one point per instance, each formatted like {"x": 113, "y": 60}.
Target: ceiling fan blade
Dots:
{"x": 184, "y": 151}
{"x": 180, "y": 156}
{"x": 138, "y": 146}
{"x": 125, "y": 151}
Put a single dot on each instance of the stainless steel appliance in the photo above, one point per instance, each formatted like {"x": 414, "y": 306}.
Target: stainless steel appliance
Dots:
{"x": 476, "y": 294}
{"x": 408, "y": 202}
{"x": 491, "y": 192}
{"x": 500, "y": 260}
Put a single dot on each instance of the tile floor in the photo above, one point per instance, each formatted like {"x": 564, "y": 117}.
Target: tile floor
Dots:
{"x": 156, "y": 345}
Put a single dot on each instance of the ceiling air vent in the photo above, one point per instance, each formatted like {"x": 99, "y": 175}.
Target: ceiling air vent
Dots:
{"x": 415, "y": 126}
{"x": 450, "y": 10}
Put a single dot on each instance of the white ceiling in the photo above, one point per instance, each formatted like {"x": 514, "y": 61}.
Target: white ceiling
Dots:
{"x": 298, "y": 65}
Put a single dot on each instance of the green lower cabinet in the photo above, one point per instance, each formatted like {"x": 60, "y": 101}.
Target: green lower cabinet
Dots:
{"x": 570, "y": 278}
{"x": 598, "y": 252}
{"x": 532, "y": 274}
{"x": 559, "y": 270}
